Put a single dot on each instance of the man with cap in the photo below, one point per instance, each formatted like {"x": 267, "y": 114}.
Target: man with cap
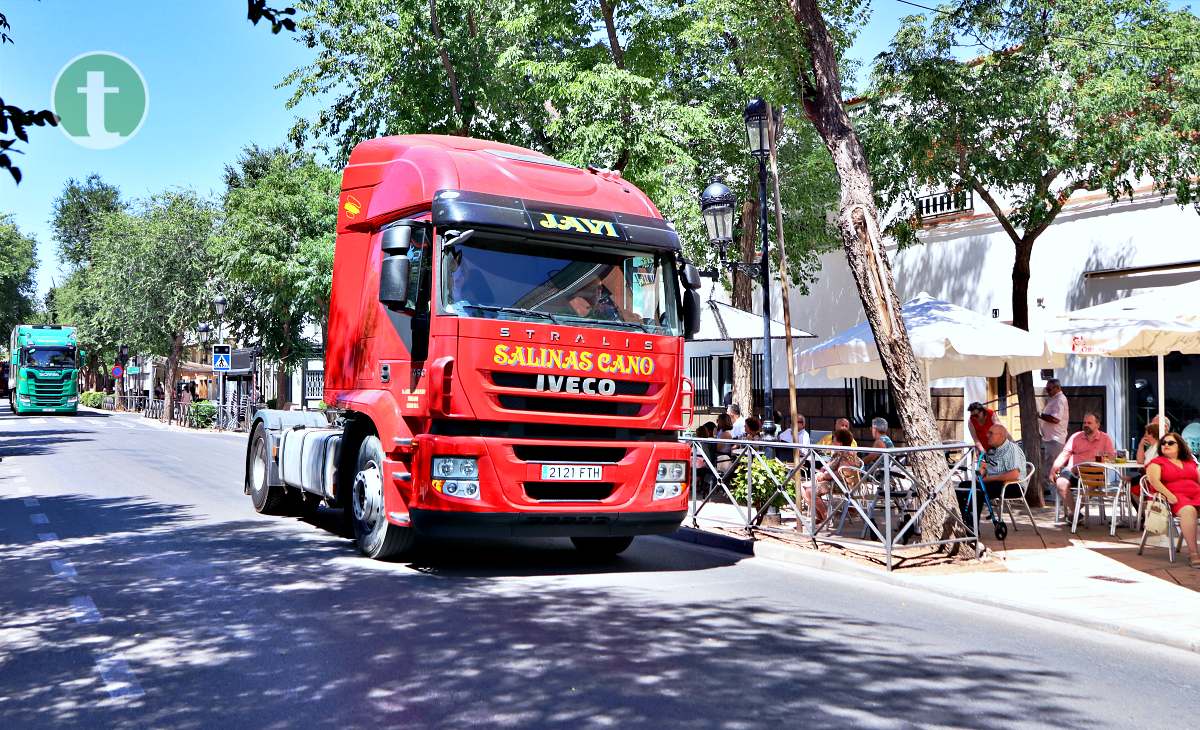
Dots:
{"x": 981, "y": 420}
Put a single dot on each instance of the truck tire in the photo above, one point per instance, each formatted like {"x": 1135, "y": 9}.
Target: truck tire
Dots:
{"x": 267, "y": 500}
{"x": 602, "y": 547}
{"x": 376, "y": 537}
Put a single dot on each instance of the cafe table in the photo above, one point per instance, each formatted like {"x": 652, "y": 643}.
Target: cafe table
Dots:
{"x": 1121, "y": 470}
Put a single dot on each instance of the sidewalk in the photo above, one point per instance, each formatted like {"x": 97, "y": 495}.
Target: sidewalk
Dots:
{"x": 155, "y": 423}
{"x": 1089, "y": 579}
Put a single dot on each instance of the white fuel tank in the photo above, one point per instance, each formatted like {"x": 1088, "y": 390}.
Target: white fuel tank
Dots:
{"x": 308, "y": 459}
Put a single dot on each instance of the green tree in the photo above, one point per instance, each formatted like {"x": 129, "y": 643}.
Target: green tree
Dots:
{"x": 1086, "y": 95}
{"x": 275, "y": 249}
{"x": 78, "y": 211}
{"x": 151, "y": 275}
{"x": 18, "y": 263}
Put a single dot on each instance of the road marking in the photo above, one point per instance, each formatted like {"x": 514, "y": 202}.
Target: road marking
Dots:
{"x": 37, "y": 421}
{"x": 48, "y": 536}
{"x": 31, "y": 502}
{"x": 25, "y": 490}
{"x": 63, "y": 569}
{"x": 85, "y": 610}
{"x": 19, "y": 480}
{"x": 39, "y": 518}
{"x": 124, "y": 424}
{"x": 119, "y": 680}
{"x": 66, "y": 421}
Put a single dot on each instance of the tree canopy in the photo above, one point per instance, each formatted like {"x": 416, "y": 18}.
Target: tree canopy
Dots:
{"x": 655, "y": 90}
{"x": 78, "y": 211}
{"x": 274, "y": 247}
{"x": 18, "y": 263}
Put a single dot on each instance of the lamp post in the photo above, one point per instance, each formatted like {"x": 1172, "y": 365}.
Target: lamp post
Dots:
{"x": 219, "y": 303}
{"x": 717, "y": 204}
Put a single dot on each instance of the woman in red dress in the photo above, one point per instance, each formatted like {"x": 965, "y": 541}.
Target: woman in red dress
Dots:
{"x": 1175, "y": 475}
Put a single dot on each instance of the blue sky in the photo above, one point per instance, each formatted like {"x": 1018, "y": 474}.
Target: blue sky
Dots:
{"x": 211, "y": 78}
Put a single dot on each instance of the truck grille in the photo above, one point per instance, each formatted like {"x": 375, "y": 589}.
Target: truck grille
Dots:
{"x": 48, "y": 392}
{"x": 568, "y": 491}
{"x": 577, "y": 406}
{"x": 539, "y": 453}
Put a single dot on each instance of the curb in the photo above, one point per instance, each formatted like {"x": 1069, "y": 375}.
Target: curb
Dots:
{"x": 169, "y": 427}
{"x": 843, "y": 566}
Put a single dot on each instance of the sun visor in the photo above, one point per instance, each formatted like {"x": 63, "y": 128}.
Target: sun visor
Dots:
{"x": 459, "y": 208}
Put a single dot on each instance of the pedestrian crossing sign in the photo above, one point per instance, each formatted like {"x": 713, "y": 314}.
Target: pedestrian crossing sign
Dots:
{"x": 221, "y": 358}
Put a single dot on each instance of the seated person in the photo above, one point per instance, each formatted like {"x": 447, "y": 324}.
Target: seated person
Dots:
{"x": 838, "y": 425}
{"x": 1174, "y": 475}
{"x": 1088, "y": 445}
{"x": 824, "y": 480}
{"x": 724, "y": 451}
{"x": 1003, "y": 462}
{"x": 879, "y": 430}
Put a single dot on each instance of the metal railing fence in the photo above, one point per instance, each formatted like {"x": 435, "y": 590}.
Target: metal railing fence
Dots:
{"x": 884, "y": 488}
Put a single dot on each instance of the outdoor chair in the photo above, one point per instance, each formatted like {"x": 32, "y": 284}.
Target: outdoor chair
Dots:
{"x": 1174, "y": 533}
{"x": 1022, "y": 487}
{"x": 1145, "y": 497}
{"x": 860, "y": 487}
{"x": 1095, "y": 487}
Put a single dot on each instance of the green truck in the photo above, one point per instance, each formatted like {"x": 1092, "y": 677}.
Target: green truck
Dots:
{"x": 43, "y": 373}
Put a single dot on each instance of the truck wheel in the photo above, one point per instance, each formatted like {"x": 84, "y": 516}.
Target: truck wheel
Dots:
{"x": 376, "y": 537}
{"x": 601, "y": 547}
{"x": 267, "y": 499}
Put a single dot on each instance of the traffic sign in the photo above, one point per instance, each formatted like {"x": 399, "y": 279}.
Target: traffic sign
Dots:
{"x": 116, "y": 371}
{"x": 133, "y": 370}
{"x": 221, "y": 358}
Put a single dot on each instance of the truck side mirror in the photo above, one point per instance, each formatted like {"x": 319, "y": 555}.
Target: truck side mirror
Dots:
{"x": 690, "y": 276}
{"x": 393, "y": 282}
{"x": 691, "y": 313}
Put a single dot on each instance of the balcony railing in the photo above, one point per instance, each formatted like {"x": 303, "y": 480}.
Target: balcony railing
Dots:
{"x": 947, "y": 203}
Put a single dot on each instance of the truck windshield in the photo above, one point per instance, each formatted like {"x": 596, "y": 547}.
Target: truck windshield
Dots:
{"x": 527, "y": 280}
{"x": 50, "y": 357}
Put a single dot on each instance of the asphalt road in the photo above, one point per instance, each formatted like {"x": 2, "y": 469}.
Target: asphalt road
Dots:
{"x": 138, "y": 588}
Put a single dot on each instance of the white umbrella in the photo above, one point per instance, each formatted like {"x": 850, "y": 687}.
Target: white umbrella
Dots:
{"x": 719, "y": 321}
{"x": 949, "y": 341}
{"x": 1155, "y": 323}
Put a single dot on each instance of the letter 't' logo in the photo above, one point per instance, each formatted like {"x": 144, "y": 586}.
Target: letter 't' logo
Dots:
{"x": 101, "y": 99}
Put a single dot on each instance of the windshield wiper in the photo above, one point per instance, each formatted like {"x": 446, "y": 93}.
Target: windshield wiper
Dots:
{"x": 512, "y": 310}
{"x": 606, "y": 322}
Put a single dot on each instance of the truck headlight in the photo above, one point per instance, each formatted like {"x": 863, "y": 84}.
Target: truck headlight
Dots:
{"x": 671, "y": 471}
{"x": 23, "y": 398}
{"x": 456, "y": 476}
{"x": 669, "y": 481}
{"x": 446, "y": 467}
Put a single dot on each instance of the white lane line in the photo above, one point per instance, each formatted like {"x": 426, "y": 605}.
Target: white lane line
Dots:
{"x": 123, "y": 424}
{"x": 85, "y": 610}
{"x": 66, "y": 421}
{"x": 32, "y": 502}
{"x": 39, "y": 518}
{"x": 24, "y": 489}
{"x": 48, "y": 536}
{"x": 19, "y": 480}
{"x": 63, "y": 569}
{"x": 119, "y": 680}
{"x": 37, "y": 421}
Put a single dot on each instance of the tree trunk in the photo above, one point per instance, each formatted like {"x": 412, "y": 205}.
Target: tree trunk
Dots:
{"x": 282, "y": 375}
{"x": 448, "y": 66}
{"x": 1031, "y": 432}
{"x": 172, "y": 376}
{"x": 743, "y": 298}
{"x": 858, "y": 221}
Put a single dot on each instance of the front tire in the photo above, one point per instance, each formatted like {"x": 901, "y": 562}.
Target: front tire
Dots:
{"x": 601, "y": 547}
{"x": 267, "y": 500}
{"x": 376, "y": 537}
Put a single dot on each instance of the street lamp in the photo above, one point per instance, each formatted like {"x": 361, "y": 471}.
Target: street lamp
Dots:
{"x": 204, "y": 330}
{"x": 219, "y": 302}
{"x": 717, "y": 204}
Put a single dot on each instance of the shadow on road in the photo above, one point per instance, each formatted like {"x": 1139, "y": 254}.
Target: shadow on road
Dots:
{"x": 34, "y": 443}
{"x": 244, "y": 624}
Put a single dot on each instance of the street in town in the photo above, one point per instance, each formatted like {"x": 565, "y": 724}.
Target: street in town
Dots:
{"x": 141, "y": 590}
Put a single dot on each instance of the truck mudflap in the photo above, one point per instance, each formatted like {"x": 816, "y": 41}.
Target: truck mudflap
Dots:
{"x": 441, "y": 523}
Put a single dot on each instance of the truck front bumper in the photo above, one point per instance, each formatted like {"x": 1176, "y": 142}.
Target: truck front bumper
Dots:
{"x": 440, "y": 523}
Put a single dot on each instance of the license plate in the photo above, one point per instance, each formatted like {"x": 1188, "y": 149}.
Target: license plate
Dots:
{"x": 572, "y": 472}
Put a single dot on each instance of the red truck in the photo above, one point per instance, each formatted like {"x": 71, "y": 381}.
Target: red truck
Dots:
{"x": 504, "y": 355}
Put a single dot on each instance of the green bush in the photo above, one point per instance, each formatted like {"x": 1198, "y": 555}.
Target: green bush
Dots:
{"x": 767, "y": 474}
{"x": 203, "y": 414}
{"x": 272, "y": 403}
{"x": 91, "y": 399}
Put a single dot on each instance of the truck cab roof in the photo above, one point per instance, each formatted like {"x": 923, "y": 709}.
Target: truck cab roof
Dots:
{"x": 390, "y": 177}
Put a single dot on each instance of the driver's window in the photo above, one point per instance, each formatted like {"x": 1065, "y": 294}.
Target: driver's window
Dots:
{"x": 419, "y": 250}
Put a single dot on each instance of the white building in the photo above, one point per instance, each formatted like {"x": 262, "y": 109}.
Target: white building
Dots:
{"x": 1094, "y": 252}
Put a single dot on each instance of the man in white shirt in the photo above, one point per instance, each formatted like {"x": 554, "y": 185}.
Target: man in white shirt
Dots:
{"x": 739, "y": 421}
{"x": 802, "y": 437}
{"x": 1053, "y": 424}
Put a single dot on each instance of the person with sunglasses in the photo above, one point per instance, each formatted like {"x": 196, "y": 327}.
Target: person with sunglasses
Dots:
{"x": 1175, "y": 475}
